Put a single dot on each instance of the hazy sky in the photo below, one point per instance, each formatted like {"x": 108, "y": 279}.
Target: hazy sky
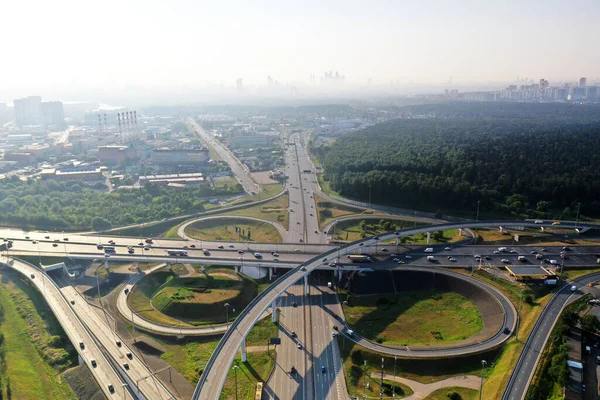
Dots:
{"x": 111, "y": 44}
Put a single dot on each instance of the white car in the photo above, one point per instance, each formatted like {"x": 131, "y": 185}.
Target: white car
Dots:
{"x": 448, "y": 248}
{"x": 505, "y": 261}
{"x": 396, "y": 259}
{"x": 408, "y": 256}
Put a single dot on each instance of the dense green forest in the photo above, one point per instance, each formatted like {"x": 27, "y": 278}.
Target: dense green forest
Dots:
{"x": 536, "y": 164}
{"x": 69, "y": 205}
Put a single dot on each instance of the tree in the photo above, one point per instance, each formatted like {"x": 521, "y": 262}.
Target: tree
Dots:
{"x": 100, "y": 224}
{"x": 571, "y": 318}
{"x": 590, "y": 323}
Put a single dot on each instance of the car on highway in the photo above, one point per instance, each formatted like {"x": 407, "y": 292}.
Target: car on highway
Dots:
{"x": 126, "y": 291}
{"x": 81, "y": 345}
{"x": 54, "y": 244}
{"x": 46, "y": 237}
{"x": 275, "y": 254}
{"x": 299, "y": 345}
{"x": 302, "y": 268}
{"x": 513, "y": 251}
{"x": 293, "y": 370}
{"x": 66, "y": 239}
{"x": 506, "y": 331}
{"x": 395, "y": 259}
{"x": 294, "y": 334}
{"x": 323, "y": 369}
{"x": 294, "y": 304}
{"x": 400, "y": 262}
{"x": 447, "y": 248}
{"x": 118, "y": 343}
{"x": 220, "y": 247}
{"x": 129, "y": 355}
{"x": 126, "y": 366}
{"x": 32, "y": 276}
{"x": 193, "y": 246}
{"x": 93, "y": 362}
{"x": 453, "y": 259}
{"x": 34, "y": 242}
{"x": 231, "y": 246}
{"x": 257, "y": 255}
{"x": 131, "y": 251}
{"x": 146, "y": 248}
{"x": 206, "y": 253}
{"x": 496, "y": 252}
{"x": 240, "y": 251}
{"x": 487, "y": 258}
{"x": 140, "y": 244}
{"x": 384, "y": 250}
{"x": 505, "y": 261}
{"x": 573, "y": 289}
{"x": 408, "y": 257}
{"x": 72, "y": 301}
{"x": 567, "y": 248}
{"x": 111, "y": 388}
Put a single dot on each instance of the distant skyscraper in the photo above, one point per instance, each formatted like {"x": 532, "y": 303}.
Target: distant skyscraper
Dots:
{"x": 582, "y": 82}
{"x": 239, "y": 85}
{"x": 28, "y": 110}
{"x": 53, "y": 113}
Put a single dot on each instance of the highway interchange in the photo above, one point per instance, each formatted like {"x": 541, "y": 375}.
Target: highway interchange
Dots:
{"x": 318, "y": 373}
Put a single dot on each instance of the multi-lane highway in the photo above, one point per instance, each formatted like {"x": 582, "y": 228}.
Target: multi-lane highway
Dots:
{"x": 242, "y": 173}
{"x": 291, "y": 378}
{"x": 109, "y": 380}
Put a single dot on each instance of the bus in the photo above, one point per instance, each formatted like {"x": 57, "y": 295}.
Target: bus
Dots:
{"x": 109, "y": 249}
{"x": 172, "y": 252}
{"x": 259, "y": 389}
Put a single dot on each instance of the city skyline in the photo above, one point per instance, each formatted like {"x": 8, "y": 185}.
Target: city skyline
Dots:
{"x": 187, "y": 45}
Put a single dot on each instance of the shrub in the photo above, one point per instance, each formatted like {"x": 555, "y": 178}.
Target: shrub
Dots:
{"x": 454, "y": 396}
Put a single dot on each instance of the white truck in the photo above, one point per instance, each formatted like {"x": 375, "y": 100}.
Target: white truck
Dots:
{"x": 429, "y": 250}
{"x": 431, "y": 258}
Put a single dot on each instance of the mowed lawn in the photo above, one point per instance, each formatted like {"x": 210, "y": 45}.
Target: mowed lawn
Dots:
{"x": 224, "y": 229}
{"x": 414, "y": 318}
{"x": 444, "y": 394}
{"x": 30, "y": 376}
{"x": 257, "y": 368}
{"x": 274, "y": 210}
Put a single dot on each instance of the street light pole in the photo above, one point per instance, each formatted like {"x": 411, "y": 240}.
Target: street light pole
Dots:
{"x": 478, "y": 203}
{"x": 519, "y": 315}
{"x": 365, "y": 378}
{"x": 226, "y": 305}
{"x": 235, "y": 367}
{"x": 577, "y": 219}
{"x": 369, "y": 196}
{"x": 381, "y": 385}
{"x": 394, "y": 386}
{"x": 483, "y": 364}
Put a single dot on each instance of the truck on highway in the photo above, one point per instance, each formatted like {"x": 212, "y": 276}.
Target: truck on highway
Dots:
{"x": 109, "y": 249}
{"x": 431, "y": 258}
{"x": 429, "y": 250}
{"x": 359, "y": 258}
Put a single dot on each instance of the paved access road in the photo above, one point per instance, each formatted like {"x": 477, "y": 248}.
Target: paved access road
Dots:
{"x": 241, "y": 172}
{"x": 104, "y": 373}
{"x": 523, "y": 372}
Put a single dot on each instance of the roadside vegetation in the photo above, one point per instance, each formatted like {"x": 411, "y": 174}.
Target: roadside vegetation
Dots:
{"x": 233, "y": 230}
{"x": 454, "y": 393}
{"x": 328, "y": 211}
{"x": 34, "y": 349}
{"x": 552, "y": 371}
{"x": 413, "y": 318}
{"x": 275, "y": 210}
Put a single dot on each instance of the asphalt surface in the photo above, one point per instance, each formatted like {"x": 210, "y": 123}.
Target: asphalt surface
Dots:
{"x": 103, "y": 330}
{"x": 523, "y": 372}
{"x": 103, "y": 373}
{"x": 242, "y": 174}
{"x": 284, "y": 383}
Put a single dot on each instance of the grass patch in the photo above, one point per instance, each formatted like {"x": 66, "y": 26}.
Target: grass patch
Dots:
{"x": 256, "y": 369}
{"x": 225, "y": 230}
{"x": 275, "y": 210}
{"x": 165, "y": 298}
{"x": 414, "y": 318}
{"x": 225, "y": 182}
{"x": 445, "y": 393}
{"x": 357, "y": 229}
{"x": 423, "y": 371}
{"x": 328, "y": 211}
{"x": 34, "y": 357}
{"x": 261, "y": 332}
{"x": 437, "y": 237}
{"x": 507, "y": 358}
{"x": 189, "y": 358}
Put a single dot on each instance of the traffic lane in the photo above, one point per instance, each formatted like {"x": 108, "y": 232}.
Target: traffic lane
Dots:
{"x": 523, "y": 372}
{"x": 107, "y": 336}
{"x": 103, "y": 372}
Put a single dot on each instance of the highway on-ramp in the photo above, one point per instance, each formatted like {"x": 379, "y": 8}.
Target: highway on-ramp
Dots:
{"x": 104, "y": 373}
{"x": 534, "y": 347}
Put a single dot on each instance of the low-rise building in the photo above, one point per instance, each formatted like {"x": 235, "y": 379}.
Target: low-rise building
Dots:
{"x": 73, "y": 174}
{"x": 115, "y": 154}
{"x": 171, "y": 157}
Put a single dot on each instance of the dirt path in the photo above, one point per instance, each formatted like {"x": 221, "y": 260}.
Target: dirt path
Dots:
{"x": 422, "y": 390}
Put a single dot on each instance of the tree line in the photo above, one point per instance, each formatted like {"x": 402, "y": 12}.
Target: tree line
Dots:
{"x": 541, "y": 166}
{"x": 70, "y": 205}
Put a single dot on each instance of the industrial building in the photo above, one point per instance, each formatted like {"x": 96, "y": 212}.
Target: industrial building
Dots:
{"x": 174, "y": 180}
{"x": 529, "y": 272}
{"x": 175, "y": 157}
{"x": 74, "y": 174}
{"x": 115, "y": 154}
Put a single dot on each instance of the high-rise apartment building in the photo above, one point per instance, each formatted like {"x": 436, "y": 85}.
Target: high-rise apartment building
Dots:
{"x": 53, "y": 113}
{"x": 32, "y": 111}
{"x": 582, "y": 82}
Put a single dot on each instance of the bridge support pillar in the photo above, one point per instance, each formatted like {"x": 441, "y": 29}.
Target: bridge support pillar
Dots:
{"x": 270, "y": 273}
{"x": 428, "y": 237}
{"x": 306, "y": 284}
{"x": 137, "y": 266}
{"x": 79, "y": 359}
{"x": 202, "y": 267}
{"x": 237, "y": 269}
{"x": 274, "y": 311}
{"x": 169, "y": 266}
{"x": 244, "y": 354}
{"x": 106, "y": 264}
